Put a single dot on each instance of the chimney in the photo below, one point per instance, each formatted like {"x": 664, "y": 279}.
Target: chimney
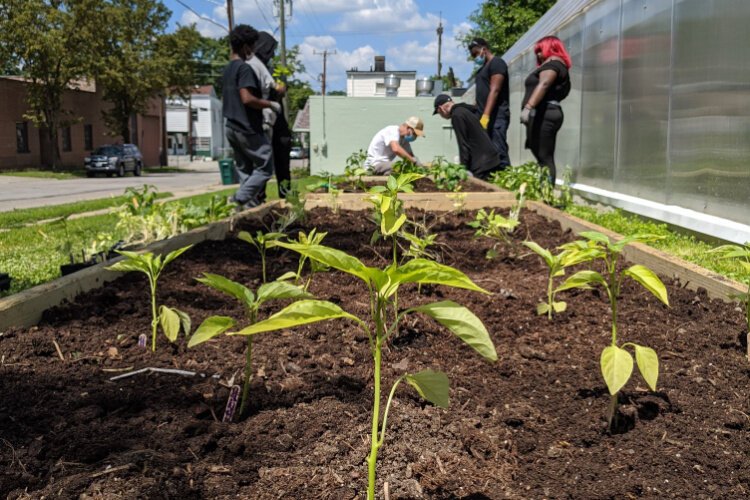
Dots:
{"x": 380, "y": 64}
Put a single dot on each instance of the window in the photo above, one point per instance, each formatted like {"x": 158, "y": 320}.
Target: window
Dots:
{"x": 22, "y": 137}
{"x": 66, "y": 143}
{"x": 88, "y": 137}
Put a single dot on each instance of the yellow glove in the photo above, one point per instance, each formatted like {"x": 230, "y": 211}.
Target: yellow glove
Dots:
{"x": 484, "y": 121}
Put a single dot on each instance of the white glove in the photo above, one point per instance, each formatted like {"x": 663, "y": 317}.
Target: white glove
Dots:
{"x": 275, "y": 106}
{"x": 527, "y": 115}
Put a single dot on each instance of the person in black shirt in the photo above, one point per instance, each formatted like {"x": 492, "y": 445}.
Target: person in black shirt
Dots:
{"x": 546, "y": 87}
{"x": 242, "y": 106}
{"x": 492, "y": 95}
{"x": 475, "y": 150}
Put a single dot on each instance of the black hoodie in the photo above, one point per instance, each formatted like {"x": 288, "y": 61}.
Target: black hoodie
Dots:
{"x": 265, "y": 47}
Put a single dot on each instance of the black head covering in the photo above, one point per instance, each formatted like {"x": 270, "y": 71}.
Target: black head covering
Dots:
{"x": 265, "y": 47}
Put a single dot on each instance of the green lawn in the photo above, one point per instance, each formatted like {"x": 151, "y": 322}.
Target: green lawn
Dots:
{"x": 33, "y": 254}
{"x": 15, "y": 218}
{"x": 45, "y": 174}
{"x": 682, "y": 245}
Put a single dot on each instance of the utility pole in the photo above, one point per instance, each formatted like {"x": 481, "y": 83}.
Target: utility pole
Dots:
{"x": 325, "y": 54}
{"x": 230, "y": 14}
{"x": 440, "y": 46}
{"x": 282, "y": 37}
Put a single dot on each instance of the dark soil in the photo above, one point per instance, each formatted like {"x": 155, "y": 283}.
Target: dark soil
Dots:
{"x": 423, "y": 185}
{"x": 531, "y": 425}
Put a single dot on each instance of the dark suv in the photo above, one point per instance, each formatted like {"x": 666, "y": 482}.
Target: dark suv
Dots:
{"x": 114, "y": 159}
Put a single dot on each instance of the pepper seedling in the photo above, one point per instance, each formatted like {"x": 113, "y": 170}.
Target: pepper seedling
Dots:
{"x": 171, "y": 319}
{"x": 389, "y": 209}
{"x": 311, "y": 238}
{"x": 383, "y": 285}
{"x": 616, "y": 362}
{"x": 742, "y": 255}
{"x": 495, "y": 227}
{"x": 556, "y": 265}
{"x": 216, "y": 325}
{"x": 262, "y": 242}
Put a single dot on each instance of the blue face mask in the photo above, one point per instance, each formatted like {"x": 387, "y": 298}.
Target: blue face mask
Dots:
{"x": 410, "y": 138}
{"x": 479, "y": 60}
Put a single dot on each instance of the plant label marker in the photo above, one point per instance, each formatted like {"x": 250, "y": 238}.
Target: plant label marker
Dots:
{"x": 142, "y": 339}
{"x": 234, "y": 394}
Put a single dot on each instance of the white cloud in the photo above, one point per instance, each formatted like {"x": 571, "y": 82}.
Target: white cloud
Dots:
{"x": 389, "y": 16}
{"x": 337, "y": 65}
{"x": 332, "y": 6}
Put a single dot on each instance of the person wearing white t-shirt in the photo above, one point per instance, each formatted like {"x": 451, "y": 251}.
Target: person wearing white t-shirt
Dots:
{"x": 391, "y": 142}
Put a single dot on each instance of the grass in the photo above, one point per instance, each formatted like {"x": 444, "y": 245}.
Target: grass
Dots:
{"x": 45, "y": 174}
{"x": 673, "y": 242}
{"x": 32, "y": 255}
{"x": 15, "y": 218}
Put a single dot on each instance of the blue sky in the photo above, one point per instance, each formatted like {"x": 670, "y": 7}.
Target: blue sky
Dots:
{"x": 358, "y": 30}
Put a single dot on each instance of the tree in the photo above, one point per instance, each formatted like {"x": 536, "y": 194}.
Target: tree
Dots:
{"x": 503, "y": 22}
{"x": 336, "y": 92}
{"x": 141, "y": 60}
{"x": 53, "y": 44}
{"x": 210, "y": 56}
{"x": 297, "y": 90}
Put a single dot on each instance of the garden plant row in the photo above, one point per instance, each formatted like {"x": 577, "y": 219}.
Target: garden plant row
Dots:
{"x": 356, "y": 306}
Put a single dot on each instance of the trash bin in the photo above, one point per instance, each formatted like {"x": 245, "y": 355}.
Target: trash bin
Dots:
{"x": 228, "y": 172}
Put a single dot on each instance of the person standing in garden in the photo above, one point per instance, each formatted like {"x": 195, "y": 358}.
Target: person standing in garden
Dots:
{"x": 393, "y": 141}
{"x": 276, "y": 126}
{"x": 546, "y": 87}
{"x": 492, "y": 96}
{"x": 243, "y": 107}
{"x": 475, "y": 150}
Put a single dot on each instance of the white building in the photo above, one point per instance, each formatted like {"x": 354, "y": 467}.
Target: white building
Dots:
{"x": 206, "y": 126}
{"x": 373, "y": 83}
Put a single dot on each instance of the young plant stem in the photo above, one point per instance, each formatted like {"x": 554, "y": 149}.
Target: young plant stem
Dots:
{"x": 374, "y": 441}
{"x": 550, "y": 296}
{"x": 248, "y": 365}
{"x": 154, "y": 317}
{"x": 263, "y": 260}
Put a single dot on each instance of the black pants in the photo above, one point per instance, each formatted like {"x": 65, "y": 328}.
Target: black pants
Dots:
{"x": 498, "y": 131}
{"x": 282, "y": 145}
{"x": 541, "y": 136}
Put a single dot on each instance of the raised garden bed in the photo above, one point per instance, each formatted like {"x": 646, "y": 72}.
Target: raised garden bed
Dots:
{"x": 529, "y": 426}
{"x": 425, "y": 185}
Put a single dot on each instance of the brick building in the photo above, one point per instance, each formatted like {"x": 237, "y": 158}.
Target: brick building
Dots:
{"x": 21, "y": 144}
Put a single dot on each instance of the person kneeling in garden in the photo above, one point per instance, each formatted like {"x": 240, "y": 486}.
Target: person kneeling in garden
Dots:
{"x": 475, "y": 150}
{"x": 243, "y": 109}
{"x": 393, "y": 141}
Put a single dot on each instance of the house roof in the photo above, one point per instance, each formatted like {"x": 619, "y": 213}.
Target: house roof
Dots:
{"x": 82, "y": 85}
{"x": 302, "y": 121}
{"x": 204, "y": 90}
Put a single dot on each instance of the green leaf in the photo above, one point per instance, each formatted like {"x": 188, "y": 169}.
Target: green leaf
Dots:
{"x": 462, "y": 322}
{"x": 542, "y": 308}
{"x": 331, "y": 257}
{"x": 129, "y": 265}
{"x": 389, "y": 224}
{"x": 296, "y": 314}
{"x": 247, "y": 237}
{"x": 559, "y": 307}
{"x": 617, "y": 366}
{"x": 229, "y": 287}
{"x": 595, "y": 236}
{"x": 432, "y": 386}
{"x": 427, "y": 271}
{"x": 277, "y": 290}
{"x": 649, "y": 280}
{"x": 543, "y": 253}
{"x": 210, "y": 328}
{"x": 648, "y": 364}
{"x": 170, "y": 322}
{"x": 173, "y": 255}
{"x": 185, "y": 321}
{"x": 289, "y": 275}
{"x": 582, "y": 279}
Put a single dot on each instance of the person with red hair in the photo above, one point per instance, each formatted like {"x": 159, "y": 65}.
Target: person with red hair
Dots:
{"x": 546, "y": 87}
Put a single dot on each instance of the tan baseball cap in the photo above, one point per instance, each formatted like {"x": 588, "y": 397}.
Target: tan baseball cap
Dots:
{"x": 417, "y": 124}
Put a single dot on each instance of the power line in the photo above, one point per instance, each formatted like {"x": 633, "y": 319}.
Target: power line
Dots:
{"x": 370, "y": 33}
{"x": 201, "y": 16}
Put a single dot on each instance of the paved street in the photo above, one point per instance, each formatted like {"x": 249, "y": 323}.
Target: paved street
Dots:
{"x": 26, "y": 192}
